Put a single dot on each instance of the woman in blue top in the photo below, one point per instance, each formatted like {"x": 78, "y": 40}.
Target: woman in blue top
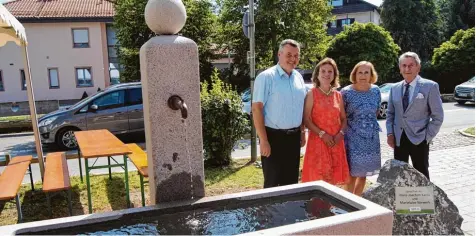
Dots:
{"x": 362, "y": 101}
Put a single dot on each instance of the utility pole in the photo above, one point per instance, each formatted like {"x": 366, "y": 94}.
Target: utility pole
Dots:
{"x": 251, "y": 34}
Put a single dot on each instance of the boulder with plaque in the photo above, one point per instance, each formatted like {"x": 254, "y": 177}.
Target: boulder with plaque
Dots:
{"x": 419, "y": 206}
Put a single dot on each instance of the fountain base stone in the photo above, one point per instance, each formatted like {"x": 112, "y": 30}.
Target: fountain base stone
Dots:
{"x": 327, "y": 210}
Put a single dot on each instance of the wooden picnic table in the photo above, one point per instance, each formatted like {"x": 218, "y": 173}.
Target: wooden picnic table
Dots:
{"x": 97, "y": 144}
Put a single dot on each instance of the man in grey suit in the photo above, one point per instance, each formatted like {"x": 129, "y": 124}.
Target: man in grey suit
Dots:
{"x": 414, "y": 115}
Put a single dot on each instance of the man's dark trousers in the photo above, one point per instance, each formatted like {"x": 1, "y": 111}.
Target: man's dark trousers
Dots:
{"x": 418, "y": 152}
{"x": 282, "y": 166}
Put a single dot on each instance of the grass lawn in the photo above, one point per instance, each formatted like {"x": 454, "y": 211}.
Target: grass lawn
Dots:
{"x": 17, "y": 118}
{"x": 109, "y": 195}
{"x": 469, "y": 131}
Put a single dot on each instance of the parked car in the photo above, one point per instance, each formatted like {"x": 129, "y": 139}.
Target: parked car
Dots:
{"x": 246, "y": 100}
{"x": 118, "y": 109}
{"x": 384, "y": 95}
{"x": 465, "y": 92}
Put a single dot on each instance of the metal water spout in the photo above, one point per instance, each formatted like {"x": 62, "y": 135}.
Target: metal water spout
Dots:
{"x": 175, "y": 102}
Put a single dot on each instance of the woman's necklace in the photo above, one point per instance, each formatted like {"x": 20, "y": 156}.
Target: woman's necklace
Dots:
{"x": 326, "y": 93}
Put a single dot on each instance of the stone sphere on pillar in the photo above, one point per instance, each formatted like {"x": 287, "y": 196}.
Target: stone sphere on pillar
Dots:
{"x": 165, "y": 17}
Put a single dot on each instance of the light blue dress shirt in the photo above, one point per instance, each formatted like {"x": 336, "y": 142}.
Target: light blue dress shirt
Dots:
{"x": 282, "y": 96}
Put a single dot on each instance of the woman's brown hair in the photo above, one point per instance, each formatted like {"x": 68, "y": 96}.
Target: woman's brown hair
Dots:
{"x": 326, "y": 61}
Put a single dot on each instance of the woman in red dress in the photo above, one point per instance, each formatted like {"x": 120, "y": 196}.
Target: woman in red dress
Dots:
{"x": 325, "y": 117}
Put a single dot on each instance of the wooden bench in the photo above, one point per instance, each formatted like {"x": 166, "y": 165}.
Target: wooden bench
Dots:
{"x": 56, "y": 178}
{"x": 6, "y": 160}
{"x": 11, "y": 179}
{"x": 139, "y": 159}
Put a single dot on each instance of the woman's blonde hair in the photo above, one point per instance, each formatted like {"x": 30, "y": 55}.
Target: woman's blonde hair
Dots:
{"x": 373, "y": 72}
{"x": 326, "y": 61}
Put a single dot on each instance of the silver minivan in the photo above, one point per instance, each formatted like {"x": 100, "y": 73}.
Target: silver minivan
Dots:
{"x": 118, "y": 109}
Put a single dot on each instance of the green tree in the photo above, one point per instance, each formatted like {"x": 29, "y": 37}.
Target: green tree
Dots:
{"x": 414, "y": 25}
{"x": 201, "y": 27}
{"x": 132, "y": 32}
{"x": 275, "y": 20}
{"x": 364, "y": 42}
{"x": 453, "y": 61}
{"x": 455, "y": 15}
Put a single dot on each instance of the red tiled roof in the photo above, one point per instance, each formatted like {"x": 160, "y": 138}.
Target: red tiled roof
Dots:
{"x": 57, "y": 9}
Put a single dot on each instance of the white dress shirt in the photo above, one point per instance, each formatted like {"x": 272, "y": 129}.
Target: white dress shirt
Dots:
{"x": 412, "y": 88}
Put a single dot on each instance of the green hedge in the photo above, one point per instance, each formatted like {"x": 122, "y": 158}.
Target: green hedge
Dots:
{"x": 223, "y": 121}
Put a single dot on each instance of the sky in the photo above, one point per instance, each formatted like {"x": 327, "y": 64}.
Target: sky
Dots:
{"x": 375, "y": 2}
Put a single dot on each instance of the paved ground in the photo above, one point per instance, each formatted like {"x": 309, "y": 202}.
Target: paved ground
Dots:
{"x": 453, "y": 170}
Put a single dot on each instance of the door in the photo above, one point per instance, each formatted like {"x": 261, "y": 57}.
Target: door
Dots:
{"x": 111, "y": 114}
{"x": 135, "y": 109}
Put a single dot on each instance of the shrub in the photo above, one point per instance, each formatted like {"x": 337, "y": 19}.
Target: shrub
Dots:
{"x": 453, "y": 61}
{"x": 223, "y": 121}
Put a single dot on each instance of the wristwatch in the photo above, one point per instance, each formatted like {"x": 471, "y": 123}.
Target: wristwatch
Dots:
{"x": 322, "y": 132}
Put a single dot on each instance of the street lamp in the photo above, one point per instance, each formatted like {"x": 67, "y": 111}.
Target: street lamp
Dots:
{"x": 249, "y": 30}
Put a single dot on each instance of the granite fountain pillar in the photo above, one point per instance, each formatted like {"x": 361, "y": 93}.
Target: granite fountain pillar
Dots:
{"x": 172, "y": 115}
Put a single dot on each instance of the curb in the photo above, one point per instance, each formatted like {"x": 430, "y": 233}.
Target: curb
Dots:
{"x": 461, "y": 131}
{"x": 16, "y": 134}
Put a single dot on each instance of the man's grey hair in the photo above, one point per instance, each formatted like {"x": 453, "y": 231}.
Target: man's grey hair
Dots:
{"x": 409, "y": 54}
{"x": 291, "y": 42}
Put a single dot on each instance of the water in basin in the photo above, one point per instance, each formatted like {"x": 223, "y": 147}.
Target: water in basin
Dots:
{"x": 224, "y": 219}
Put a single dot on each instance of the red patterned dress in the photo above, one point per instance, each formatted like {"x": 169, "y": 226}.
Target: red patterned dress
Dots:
{"x": 320, "y": 161}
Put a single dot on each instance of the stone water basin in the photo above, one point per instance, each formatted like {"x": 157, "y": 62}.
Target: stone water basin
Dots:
{"x": 309, "y": 208}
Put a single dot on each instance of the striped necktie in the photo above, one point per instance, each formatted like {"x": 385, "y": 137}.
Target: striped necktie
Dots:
{"x": 405, "y": 99}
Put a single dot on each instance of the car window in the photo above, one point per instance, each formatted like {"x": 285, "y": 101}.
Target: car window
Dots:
{"x": 386, "y": 88}
{"x": 307, "y": 77}
{"x": 84, "y": 109}
{"x": 471, "y": 80}
{"x": 246, "y": 95}
{"x": 110, "y": 100}
{"x": 134, "y": 96}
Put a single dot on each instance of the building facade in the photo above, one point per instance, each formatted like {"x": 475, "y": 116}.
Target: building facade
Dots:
{"x": 71, "y": 49}
{"x": 347, "y": 12}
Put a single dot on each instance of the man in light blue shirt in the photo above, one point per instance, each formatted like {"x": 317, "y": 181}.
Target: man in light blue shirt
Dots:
{"x": 278, "y": 102}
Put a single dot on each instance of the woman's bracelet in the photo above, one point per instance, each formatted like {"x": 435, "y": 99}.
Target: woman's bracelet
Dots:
{"x": 321, "y": 133}
{"x": 341, "y": 132}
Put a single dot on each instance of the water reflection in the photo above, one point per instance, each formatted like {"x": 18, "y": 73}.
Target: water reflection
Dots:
{"x": 229, "y": 221}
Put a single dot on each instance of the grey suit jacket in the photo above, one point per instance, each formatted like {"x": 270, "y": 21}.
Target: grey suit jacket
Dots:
{"x": 424, "y": 116}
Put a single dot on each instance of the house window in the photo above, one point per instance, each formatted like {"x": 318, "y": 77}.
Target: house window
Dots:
{"x": 333, "y": 24}
{"x": 84, "y": 77}
{"x": 80, "y": 38}
{"x": 2, "y": 88}
{"x": 347, "y": 21}
{"x": 53, "y": 78}
{"x": 23, "y": 79}
{"x": 112, "y": 43}
{"x": 336, "y": 3}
